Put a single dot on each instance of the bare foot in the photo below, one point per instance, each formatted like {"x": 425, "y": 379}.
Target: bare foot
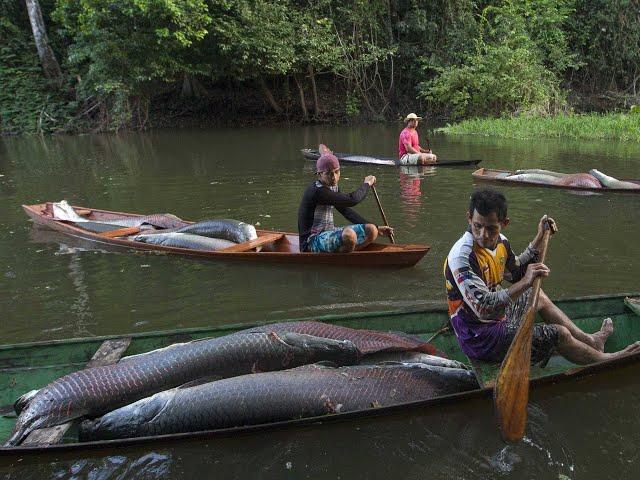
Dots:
{"x": 631, "y": 349}
{"x": 600, "y": 338}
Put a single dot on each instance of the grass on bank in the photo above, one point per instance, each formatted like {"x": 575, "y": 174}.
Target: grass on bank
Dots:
{"x": 612, "y": 126}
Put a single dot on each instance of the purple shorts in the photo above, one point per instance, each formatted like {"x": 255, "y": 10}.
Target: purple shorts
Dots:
{"x": 490, "y": 341}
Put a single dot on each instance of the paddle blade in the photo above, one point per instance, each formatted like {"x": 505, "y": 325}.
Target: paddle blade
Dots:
{"x": 511, "y": 393}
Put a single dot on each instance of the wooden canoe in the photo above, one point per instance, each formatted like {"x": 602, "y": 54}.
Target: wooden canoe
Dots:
{"x": 502, "y": 176}
{"x": 280, "y": 247}
{"x": 311, "y": 154}
{"x": 28, "y": 366}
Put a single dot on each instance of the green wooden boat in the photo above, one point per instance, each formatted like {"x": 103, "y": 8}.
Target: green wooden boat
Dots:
{"x": 28, "y": 366}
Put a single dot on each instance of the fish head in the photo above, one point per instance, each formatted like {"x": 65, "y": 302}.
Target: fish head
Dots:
{"x": 311, "y": 349}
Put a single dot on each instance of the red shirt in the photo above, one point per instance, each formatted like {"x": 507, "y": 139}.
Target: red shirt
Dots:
{"x": 410, "y": 136}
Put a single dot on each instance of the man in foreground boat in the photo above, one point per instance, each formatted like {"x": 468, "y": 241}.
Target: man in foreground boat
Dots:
{"x": 485, "y": 317}
{"x": 315, "y": 215}
{"x": 409, "y": 150}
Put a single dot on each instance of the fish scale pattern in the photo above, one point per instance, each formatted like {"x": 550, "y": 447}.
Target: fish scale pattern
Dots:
{"x": 310, "y": 390}
{"x": 367, "y": 341}
{"x": 97, "y": 390}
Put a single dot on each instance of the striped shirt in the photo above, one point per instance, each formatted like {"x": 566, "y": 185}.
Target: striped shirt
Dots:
{"x": 315, "y": 214}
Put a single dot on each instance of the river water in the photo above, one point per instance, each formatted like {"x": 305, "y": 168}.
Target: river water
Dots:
{"x": 51, "y": 288}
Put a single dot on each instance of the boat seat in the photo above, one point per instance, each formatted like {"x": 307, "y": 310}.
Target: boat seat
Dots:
{"x": 109, "y": 353}
{"x": 251, "y": 244}
{"x": 120, "y": 232}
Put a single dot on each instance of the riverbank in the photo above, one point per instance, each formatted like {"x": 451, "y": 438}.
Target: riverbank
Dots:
{"x": 611, "y": 126}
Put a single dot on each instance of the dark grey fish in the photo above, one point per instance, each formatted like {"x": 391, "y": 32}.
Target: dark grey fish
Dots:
{"x": 94, "y": 391}
{"x": 367, "y": 341}
{"x": 307, "y": 391}
{"x": 184, "y": 240}
{"x": 232, "y": 230}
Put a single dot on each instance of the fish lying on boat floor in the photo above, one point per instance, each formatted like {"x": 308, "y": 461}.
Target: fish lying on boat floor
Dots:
{"x": 411, "y": 357}
{"x": 306, "y": 391}
{"x": 367, "y": 341}
{"x": 232, "y": 230}
{"x": 94, "y": 391}
{"x": 184, "y": 240}
{"x": 63, "y": 211}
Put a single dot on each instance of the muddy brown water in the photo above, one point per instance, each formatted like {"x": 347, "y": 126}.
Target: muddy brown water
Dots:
{"x": 52, "y": 288}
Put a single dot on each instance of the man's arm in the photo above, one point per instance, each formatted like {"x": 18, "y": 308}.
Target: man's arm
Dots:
{"x": 351, "y": 215}
{"x": 325, "y": 196}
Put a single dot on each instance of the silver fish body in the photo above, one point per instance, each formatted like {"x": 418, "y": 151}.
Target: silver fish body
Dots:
{"x": 232, "y": 230}
{"x": 184, "y": 240}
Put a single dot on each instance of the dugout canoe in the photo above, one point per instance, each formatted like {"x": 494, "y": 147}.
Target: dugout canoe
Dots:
{"x": 502, "y": 177}
{"x": 28, "y": 366}
{"x": 276, "y": 247}
{"x": 311, "y": 154}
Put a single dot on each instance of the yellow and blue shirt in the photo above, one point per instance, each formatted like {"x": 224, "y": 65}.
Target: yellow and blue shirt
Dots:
{"x": 477, "y": 303}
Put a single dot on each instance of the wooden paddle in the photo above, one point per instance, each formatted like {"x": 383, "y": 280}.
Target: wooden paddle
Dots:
{"x": 384, "y": 217}
{"x": 511, "y": 393}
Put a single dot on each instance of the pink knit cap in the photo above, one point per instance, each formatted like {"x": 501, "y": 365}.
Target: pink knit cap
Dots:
{"x": 327, "y": 162}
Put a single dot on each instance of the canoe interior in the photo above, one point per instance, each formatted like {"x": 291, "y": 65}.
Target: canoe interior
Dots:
{"x": 311, "y": 154}
{"x": 501, "y": 176}
{"x": 285, "y": 249}
{"x": 24, "y": 367}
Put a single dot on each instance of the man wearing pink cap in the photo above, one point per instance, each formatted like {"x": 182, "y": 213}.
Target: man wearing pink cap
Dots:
{"x": 315, "y": 215}
{"x": 409, "y": 150}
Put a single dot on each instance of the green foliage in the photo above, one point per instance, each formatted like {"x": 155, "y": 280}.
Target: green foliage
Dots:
{"x": 615, "y": 126}
{"x": 252, "y": 38}
{"x": 512, "y": 69}
{"x": 28, "y": 104}
{"x": 118, "y": 48}
{"x": 605, "y": 35}
{"x": 459, "y": 58}
{"x": 352, "y": 104}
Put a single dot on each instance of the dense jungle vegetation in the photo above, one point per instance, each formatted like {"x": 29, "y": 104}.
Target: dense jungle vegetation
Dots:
{"x": 98, "y": 65}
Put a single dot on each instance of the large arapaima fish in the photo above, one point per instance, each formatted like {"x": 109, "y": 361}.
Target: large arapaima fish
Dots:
{"x": 94, "y": 391}
{"x": 366, "y": 341}
{"x": 306, "y": 391}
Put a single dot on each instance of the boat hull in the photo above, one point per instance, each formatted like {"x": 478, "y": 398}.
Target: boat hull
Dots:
{"x": 501, "y": 176}
{"x": 28, "y": 366}
{"x": 311, "y": 154}
{"x": 285, "y": 250}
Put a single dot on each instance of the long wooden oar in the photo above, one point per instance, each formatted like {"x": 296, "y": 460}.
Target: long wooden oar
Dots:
{"x": 384, "y": 217}
{"x": 511, "y": 393}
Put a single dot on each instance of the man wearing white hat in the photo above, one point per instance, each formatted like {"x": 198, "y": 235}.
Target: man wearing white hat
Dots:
{"x": 409, "y": 150}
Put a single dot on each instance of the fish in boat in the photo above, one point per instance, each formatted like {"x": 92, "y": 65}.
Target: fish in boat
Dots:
{"x": 63, "y": 211}
{"x": 94, "y": 391}
{"x": 232, "y": 230}
{"x": 411, "y": 357}
{"x": 311, "y": 390}
{"x": 184, "y": 240}
{"x": 366, "y": 341}
{"x": 555, "y": 178}
{"x": 270, "y": 246}
{"x": 611, "y": 182}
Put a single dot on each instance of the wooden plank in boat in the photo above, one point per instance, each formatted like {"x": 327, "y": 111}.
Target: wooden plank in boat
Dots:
{"x": 258, "y": 242}
{"x": 109, "y": 353}
{"x": 121, "y": 232}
